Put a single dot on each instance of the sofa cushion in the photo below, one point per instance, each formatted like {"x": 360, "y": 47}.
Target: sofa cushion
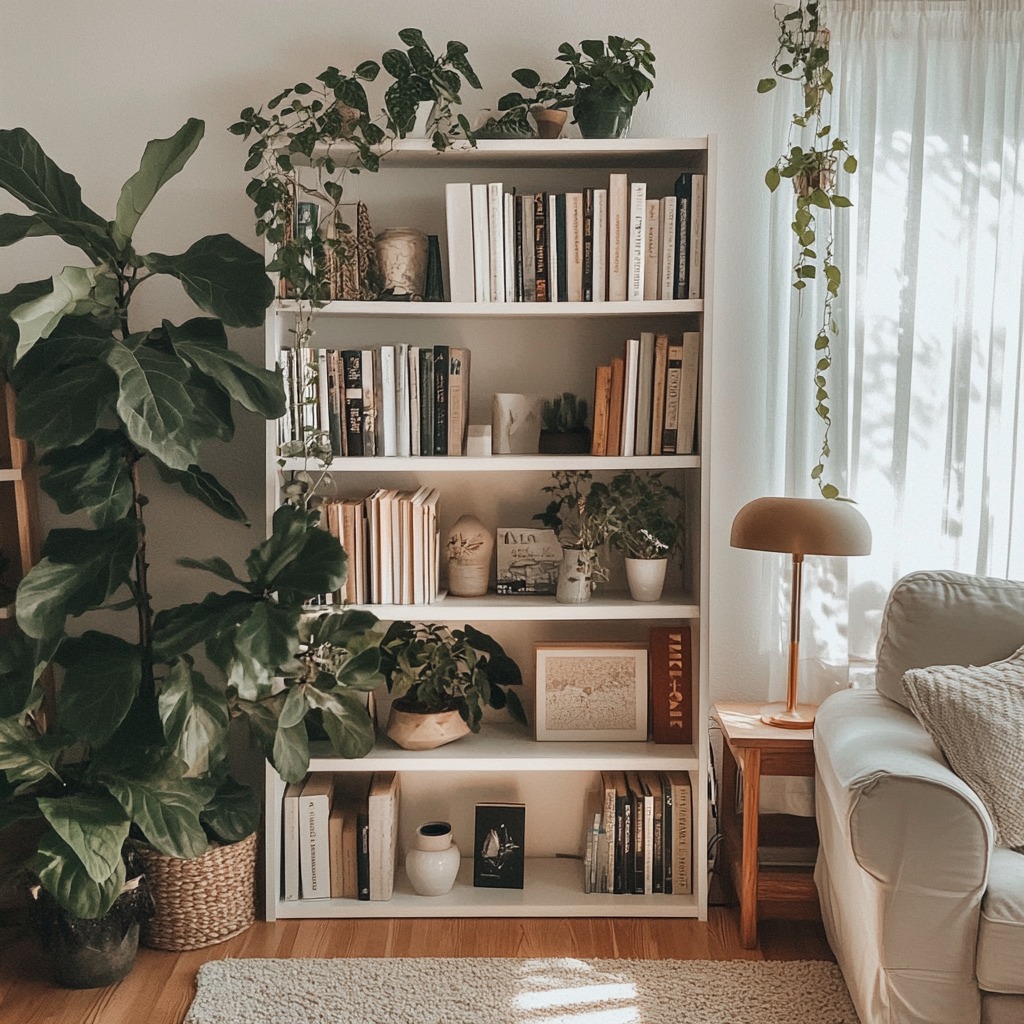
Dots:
{"x": 946, "y": 618}
{"x": 1000, "y": 965}
{"x": 975, "y": 714}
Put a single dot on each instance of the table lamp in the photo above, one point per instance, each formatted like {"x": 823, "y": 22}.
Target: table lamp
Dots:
{"x": 799, "y": 526}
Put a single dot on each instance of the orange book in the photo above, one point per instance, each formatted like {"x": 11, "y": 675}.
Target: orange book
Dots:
{"x": 658, "y": 392}
{"x": 602, "y": 400}
{"x": 618, "y": 391}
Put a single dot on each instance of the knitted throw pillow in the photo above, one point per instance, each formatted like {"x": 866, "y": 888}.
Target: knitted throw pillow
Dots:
{"x": 975, "y": 715}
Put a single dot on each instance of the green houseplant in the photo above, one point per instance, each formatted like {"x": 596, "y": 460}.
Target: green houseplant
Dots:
{"x": 564, "y": 425}
{"x": 811, "y": 161}
{"x": 137, "y": 747}
{"x": 441, "y": 680}
{"x": 547, "y": 104}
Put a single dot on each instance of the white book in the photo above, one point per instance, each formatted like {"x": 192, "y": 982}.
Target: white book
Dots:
{"x": 432, "y": 544}
{"x": 600, "y": 249}
{"x": 637, "y": 234}
{"x": 629, "y": 397}
{"x": 323, "y": 392}
{"x": 667, "y": 270}
{"x": 388, "y": 396}
{"x": 290, "y": 841}
{"x": 509, "y": 236}
{"x": 419, "y": 579}
{"x": 553, "y": 295}
{"x": 382, "y": 816}
{"x": 402, "y": 399}
{"x": 574, "y": 245}
{"x": 481, "y": 244}
{"x": 413, "y": 373}
{"x": 695, "y": 248}
{"x": 314, "y": 850}
{"x": 496, "y": 239}
{"x": 652, "y": 249}
{"x": 618, "y": 236}
{"x": 688, "y": 393}
{"x": 459, "y": 214}
{"x": 645, "y": 381}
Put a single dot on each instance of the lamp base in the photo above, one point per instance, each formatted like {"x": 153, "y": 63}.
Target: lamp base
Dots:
{"x": 801, "y": 717}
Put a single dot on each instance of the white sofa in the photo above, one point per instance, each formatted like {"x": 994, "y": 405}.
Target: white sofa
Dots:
{"x": 924, "y": 912}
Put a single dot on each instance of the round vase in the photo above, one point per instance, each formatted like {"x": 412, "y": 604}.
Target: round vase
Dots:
{"x": 433, "y": 863}
{"x": 412, "y": 730}
{"x": 646, "y": 577}
{"x": 402, "y": 256}
{"x": 602, "y": 115}
{"x": 574, "y": 574}
{"x": 469, "y": 551}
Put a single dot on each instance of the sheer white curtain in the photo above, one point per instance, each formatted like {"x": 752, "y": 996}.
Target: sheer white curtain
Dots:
{"x": 928, "y": 380}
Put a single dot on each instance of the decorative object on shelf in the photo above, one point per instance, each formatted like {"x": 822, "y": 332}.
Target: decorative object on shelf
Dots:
{"x": 549, "y": 121}
{"x": 433, "y": 863}
{"x": 813, "y": 151}
{"x": 649, "y": 531}
{"x": 469, "y": 549}
{"x": 547, "y": 105}
{"x": 799, "y": 526}
{"x": 591, "y": 691}
{"x": 433, "y": 288}
{"x": 431, "y": 669}
{"x": 564, "y": 426}
{"x": 478, "y": 439}
{"x": 402, "y": 257}
{"x": 515, "y": 423}
{"x": 424, "y": 730}
{"x": 499, "y": 847}
{"x": 576, "y": 571}
{"x": 528, "y": 560}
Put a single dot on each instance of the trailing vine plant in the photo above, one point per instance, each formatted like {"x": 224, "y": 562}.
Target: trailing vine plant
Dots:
{"x": 811, "y": 159}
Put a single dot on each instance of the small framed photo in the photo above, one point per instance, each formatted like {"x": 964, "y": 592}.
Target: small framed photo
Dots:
{"x": 591, "y": 691}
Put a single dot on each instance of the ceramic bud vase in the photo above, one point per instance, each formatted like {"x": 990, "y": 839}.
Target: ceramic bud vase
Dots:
{"x": 402, "y": 256}
{"x": 433, "y": 862}
{"x": 470, "y": 549}
{"x": 574, "y": 574}
{"x": 646, "y": 577}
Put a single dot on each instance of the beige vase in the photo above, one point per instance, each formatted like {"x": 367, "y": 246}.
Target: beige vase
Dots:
{"x": 469, "y": 550}
{"x": 549, "y": 122}
{"x": 412, "y": 730}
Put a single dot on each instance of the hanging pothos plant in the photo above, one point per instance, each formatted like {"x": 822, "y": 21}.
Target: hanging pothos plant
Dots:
{"x": 811, "y": 161}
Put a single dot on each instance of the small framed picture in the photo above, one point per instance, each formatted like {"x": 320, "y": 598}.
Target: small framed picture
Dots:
{"x": 591, "y": 691}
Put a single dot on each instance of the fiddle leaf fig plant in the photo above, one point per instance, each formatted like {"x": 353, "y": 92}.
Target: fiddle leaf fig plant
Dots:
{"x": 135, "y": 746}
{"x": 814, "y": 152}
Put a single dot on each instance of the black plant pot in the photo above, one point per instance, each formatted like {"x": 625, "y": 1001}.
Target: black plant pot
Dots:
{"x": 601, "y": 114}
{"x": 552, "y": 443}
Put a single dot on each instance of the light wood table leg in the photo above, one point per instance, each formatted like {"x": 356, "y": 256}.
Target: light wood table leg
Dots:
{"x": 748, "y": 871}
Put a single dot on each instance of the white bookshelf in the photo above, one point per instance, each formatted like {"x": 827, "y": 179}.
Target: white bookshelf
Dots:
{"x": 543, "y": 348}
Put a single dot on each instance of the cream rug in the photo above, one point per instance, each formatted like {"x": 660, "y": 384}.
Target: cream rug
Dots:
{"x": 510, "y": 991}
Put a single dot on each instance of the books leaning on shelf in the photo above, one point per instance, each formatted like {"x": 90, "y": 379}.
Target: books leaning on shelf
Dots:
{"x": 639, "y": 834}
{"x": 645, "y": 401}
{"x": 395, "y": 400}
{"x": 608, "y": 242}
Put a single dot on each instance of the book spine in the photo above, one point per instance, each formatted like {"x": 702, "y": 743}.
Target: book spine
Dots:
{"x": 352, "y": 361}
{"x": 371, "y": 404}
{"x": 696, "y": 240}
{"x": 509, "y": 236}
{"x": 426, "y": 400}
{"x": 600, "y": 244}
{"x": 615, "y": 406}
{"x": 671, "y": 670}
{"x": 688, "y": 382}
{"x": 667, "y": 826}
{"x": 323, "y": 392}
{"x": 637, "y": 238}
{"x": 673, "y": 372}
{"x": 657, "y": 834}
{"x": 290, "y": 842}
{"x": 629, "y": 401}
{"x": 587, "y": 269}
{"x": 413, "y": 413}
{"x": 334, "y": 401}
{"x": 520, "y": 277}
{"x": 667, "y": 271}
{"x": 658, "y": 391}
{"x": 553, "y": 248}
{"x": 618, "y": 236}
{"x": 441, "y": 359}
{"x": 496, "y": 240}
{"x": 574, "y": 240}
{"x": 561, "y": 235}
{"x": 682, "y": 816}
{"x": 402, "y": 399}
{"x": 540, "y": 246}
{"x": 682, "y": 190}
{"x": 389, "y": 405}
{"x": 481, "y": 244}
{"x": 363, "y": 855}
{"x": 459, "y": 217}
{"x": 602, "y": 408}
{"x": 644, "y": 394}
{"x": 529, "y": 252}
{"x": 652, "y": 248}
{"x": 458, "y": 399}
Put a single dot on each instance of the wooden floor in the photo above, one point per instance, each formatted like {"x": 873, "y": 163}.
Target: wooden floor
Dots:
{"x": 161, "y": 987}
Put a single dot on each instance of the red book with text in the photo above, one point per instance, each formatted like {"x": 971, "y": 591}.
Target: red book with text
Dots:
{"x": 671, "y": 674}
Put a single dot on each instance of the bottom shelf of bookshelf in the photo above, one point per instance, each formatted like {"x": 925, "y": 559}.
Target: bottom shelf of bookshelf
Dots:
{"x": 553, "y": 887}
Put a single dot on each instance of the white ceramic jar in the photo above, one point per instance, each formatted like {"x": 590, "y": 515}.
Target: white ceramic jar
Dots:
{"x": 433, "y": 862}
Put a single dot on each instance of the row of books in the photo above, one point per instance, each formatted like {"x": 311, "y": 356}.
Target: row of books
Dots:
{"x": 611, "y": 244}
{"x": 343, "y": 244}
{"x": 639, "y": 837}
{"x": 340, "y": 836}
{"x": 391, "y": 400}
{"x": 645, "y": 401}
{"x": 393, "y": 542}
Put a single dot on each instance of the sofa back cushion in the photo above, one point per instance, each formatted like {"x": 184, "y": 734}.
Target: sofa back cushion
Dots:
{"x": 941, "y": 617}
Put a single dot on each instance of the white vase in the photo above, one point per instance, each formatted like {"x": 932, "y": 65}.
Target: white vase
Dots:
{"x": 433, "y": 862}
{"x": 402, "y": 256}
{"x": 646, "y": 577}
{"x": 469, "y": 550}
{"x": 515, "y": 423}
{"x": 574, "y": 576}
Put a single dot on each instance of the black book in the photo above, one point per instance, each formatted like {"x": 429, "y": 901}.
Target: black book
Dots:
{"x": 636, "y": 794}
{"x": 588, "y": 245}
{"x": 562, "y": 270}
{"x": 666, "y": 830}
{"x": 499, "y": 846}
{"x": 426, "y": 401}
{"x": 540, "y": 244}
{"x": 352, "y": 361}
{"x": 652, "y": 784}
{"x": 519, "y": 277}
{"x": 441, "y": 359}
{"x": 363, "y": 854}
{"x": 683, "y": 191}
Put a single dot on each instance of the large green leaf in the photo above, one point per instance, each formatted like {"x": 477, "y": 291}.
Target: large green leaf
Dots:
{"x": 195, "y": 717}
{"x": 233, "y": 813}
{"x": 33, "y": 178}
{"x": 14, "y": 227}
{"x": 161, "y": 161}
{"x": 177, "y": 631}
{"x": 208, "y": 489}
{"x": 318, "y": 568}
{"x": 102, "y": 674}
{"x": 94, "y": 825}
{"x": 25, "y": 757}
{"x": 289, "y": 527}
{"x": 291, "y": 753}
{"x": 65, "y": 878}
{"x": 222, "y": 276}
{"x": 17, "y": 657}
{"x": 79, "y": 570}
{"x": 93, "y": 477}
{"x": 347, "y": 723}
{"x": 252, "y": 655}
{"x": 17, "y": 296}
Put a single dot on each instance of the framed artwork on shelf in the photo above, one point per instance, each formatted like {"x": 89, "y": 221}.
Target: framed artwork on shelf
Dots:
{"x": 591, "y": 691}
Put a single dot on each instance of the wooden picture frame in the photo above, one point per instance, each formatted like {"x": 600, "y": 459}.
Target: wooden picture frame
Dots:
{"x": 591, "y": 691}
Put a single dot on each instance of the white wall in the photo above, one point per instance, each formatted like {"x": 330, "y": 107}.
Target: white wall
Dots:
{"x": 94, "y": 81}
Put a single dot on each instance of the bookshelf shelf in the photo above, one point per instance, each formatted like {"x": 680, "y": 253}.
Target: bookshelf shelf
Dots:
{"x": 493, "y": 464}
{"x": 500, "y": 310}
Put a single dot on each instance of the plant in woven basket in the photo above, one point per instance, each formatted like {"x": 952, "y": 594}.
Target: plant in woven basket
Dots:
{"x": 137, "y": 742}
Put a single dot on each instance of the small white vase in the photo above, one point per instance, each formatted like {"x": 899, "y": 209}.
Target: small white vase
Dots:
{"x": 433, "y": 862}
{"x": 470, "y": 549}
{"x": 574, "y": 576}
{"x": 646, "y": 577}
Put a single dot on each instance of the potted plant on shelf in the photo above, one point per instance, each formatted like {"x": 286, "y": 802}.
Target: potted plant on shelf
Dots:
{"x": 135, "y": 753}
{"x": 583, "y": 517}
{"x": 564, "y": 426}
{"x": 441, "y": 680}
{"x": 547, "y": 104}
{"x": 649, "y": 529}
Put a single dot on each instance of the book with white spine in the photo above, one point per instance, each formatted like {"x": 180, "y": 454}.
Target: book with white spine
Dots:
{"x": 459, "y": 216}
{"x": 496, "y": 239}
{"x": 652, "y": 250}
{"x": 481, "y": 244}
{"x": 600, "y": 244}
{"x": 618, "y": 236}
{"x": 637, "y": 232}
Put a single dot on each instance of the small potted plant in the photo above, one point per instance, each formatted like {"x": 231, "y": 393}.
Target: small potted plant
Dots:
{"x": 649, "y": 529}
{"x": 441, "y": 679}
{"x": 584, "y": 517}
{"x": 608, "y": 80}
{"x": 547, "y": 105}
{"x": 564, "y": 426}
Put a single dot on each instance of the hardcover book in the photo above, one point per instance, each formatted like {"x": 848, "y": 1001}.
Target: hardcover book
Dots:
{"x": 671, "y": 675}
{"x": 527, "y": 560}
{"x": 498, "y": 848}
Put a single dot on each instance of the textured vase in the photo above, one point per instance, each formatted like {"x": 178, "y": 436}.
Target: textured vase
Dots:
{"x": 646, "y": 577}
{"x": 515, "y": 423}
{"x": 433, "y": 863}
{"x": 412, "y": 730}
{"x": 469, "y": 550}
{"x": 402, "y": 256}
{"x": 574, "y": 576}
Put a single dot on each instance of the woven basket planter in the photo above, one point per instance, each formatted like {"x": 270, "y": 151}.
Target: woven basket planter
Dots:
{"x": 200, "y": 901}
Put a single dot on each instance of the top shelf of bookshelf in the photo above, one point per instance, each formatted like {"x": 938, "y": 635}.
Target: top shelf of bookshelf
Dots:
{"x": 352, "y": 307}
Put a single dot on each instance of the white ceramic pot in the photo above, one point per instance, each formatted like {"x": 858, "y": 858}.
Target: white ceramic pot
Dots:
{"x": 433, "y": 862}
{"x": 574, "y": 586}
{"x": 515, "y": 423}
{"x": 470, "y": 549}
{"x": 646, "y": 577}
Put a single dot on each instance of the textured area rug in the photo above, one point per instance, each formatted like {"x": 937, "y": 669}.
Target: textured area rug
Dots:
{"x": 510, "y": 991}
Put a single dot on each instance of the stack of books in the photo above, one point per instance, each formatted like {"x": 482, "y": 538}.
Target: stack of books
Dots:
{"x": 396, "y": 400}
{"x": 613, "y": 244}
{"x": 645, "y": 401}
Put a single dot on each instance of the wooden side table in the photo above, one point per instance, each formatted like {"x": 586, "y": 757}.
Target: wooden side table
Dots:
{"x": 757, "y": 749}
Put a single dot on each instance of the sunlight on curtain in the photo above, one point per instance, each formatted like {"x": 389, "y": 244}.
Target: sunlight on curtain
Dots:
{"x": 929, "y": 386}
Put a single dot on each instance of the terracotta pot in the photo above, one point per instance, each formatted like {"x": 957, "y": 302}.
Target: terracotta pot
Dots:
{"x": 413, "y": 730}
{"x": 549, "y": 122}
